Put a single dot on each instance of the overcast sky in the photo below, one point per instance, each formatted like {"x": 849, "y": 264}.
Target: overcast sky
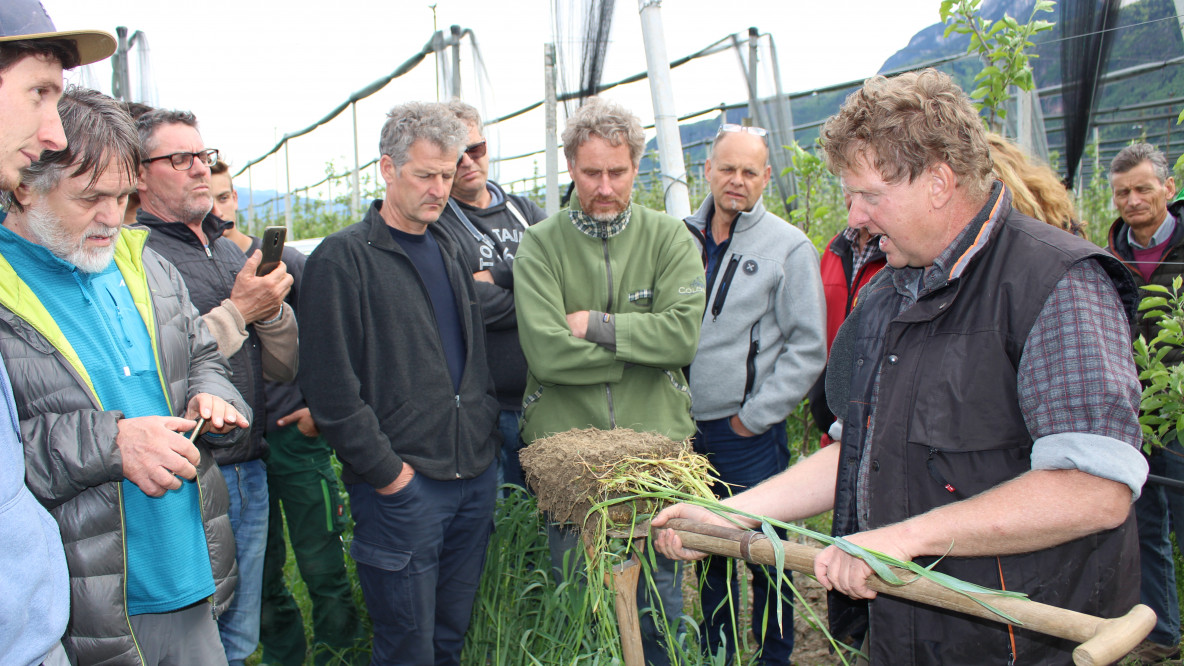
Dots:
{"x": 253, "y": 70}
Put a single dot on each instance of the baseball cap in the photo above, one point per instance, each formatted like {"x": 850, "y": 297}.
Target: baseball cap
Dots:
{"x": 27, "y": 19}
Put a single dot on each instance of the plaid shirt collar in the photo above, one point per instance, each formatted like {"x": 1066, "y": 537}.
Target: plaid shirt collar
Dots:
{"x": 595, "y": 229}
{"x": 860, "y": 257}
{"x": 949, "y": 265}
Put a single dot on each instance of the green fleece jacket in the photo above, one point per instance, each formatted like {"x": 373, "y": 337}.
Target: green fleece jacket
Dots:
{"x": 650, "y": 278}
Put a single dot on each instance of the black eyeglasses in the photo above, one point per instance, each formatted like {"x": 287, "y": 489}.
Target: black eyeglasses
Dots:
{"x": 184, "y": 161}
{"x": 751, "y": 129}
{"x": 475, "y": 152}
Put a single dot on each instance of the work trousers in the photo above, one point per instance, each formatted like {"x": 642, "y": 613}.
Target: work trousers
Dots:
{"x": 302, "y": 483}
{"x": 419, "y": 555}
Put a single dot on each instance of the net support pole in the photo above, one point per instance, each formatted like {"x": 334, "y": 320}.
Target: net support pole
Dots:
{"x": 250, "y": 199}
{"x": 456, "y": 34}
{"x": 355, "y": 201}
{"x": 287, "y": 192}
{"x": 673, "y": 169}
{"x": 552, "y": 127}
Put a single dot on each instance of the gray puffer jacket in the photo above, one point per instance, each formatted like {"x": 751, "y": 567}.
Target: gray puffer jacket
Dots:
{"x": 72, "y": 463}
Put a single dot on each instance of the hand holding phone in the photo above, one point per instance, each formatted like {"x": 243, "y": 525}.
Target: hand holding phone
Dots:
{"x": 273, "y": 249}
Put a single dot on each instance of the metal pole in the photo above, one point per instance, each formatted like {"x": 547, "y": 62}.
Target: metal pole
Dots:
{"x": 753, "y": 55}
{"x": 120, "y": 78}
{"x": 456, "y": 32}
{"x": 552, "y": 161}
{"x": 287, "y": 193}
{"x": 355, "y": 203}
{"x": 674, "y": 173}
{"x": 250, "y": 199}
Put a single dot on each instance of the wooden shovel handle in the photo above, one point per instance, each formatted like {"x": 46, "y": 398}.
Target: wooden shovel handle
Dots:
{"x": 1102, "y": 641}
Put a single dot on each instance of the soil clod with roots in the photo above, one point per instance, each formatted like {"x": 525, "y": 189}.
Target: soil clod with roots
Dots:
{"x": 572, "y": 471}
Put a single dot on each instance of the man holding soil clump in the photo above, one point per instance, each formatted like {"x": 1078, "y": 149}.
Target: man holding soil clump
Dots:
{"x": 609, "y": 297}
{"x": 986, "y": 390}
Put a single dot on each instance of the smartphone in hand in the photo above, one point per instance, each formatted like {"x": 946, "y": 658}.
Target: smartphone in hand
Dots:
{"x": 273, "y": 249}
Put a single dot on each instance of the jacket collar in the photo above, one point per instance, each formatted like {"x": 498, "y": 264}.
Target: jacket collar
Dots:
{"x": 377, "y": 235}
{"x": 210, "y": 225}
{"x": 743, "y": 222}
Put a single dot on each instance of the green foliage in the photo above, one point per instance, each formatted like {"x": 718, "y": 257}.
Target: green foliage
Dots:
{"x": 815, "y": 187}
{"x": 1162, "y": 405}
{"x": 819, "y": 211}
{"x": 1094, "y": 199}
{"x": 1180, "y": 162}
{"x": 1002, "y": 47}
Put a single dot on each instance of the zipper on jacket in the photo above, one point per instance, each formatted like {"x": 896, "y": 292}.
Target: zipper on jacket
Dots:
{"x": 936, "y": 474}
{"x": 725, "y": 283}
{"x": 608, "y": 271}
{"x": 456, "y": 442}
{"x": 754, "y": 346}
{"x": 123, "y": 545}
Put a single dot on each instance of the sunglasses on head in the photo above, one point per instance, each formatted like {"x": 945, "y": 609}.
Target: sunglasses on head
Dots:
{"x": 751, "y": 129}
{"x": 475, "y": 152}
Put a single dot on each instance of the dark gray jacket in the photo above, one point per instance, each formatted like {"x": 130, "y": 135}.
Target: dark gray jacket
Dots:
{"x": 372, "y": 365}
{"x": 488, "y": 241}
{"x": 73, "y": 466}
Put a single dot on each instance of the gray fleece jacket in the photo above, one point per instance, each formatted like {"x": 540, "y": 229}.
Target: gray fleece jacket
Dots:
{"x": 763, "y": 340}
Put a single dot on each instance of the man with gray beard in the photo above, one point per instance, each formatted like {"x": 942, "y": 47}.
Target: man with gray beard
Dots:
{"x": 111, "y": 369}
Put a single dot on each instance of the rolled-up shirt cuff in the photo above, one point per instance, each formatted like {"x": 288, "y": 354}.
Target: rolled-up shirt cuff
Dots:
{"x": 1098, "y": 455}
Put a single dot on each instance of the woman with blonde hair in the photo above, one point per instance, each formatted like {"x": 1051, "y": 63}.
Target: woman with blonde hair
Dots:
{"x": 1035, "y": 189}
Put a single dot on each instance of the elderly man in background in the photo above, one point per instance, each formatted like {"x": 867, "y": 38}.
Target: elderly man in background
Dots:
{"x": 1148, "y": 237}
{"x": 987, "y": 394}
{"x": 111, "y": 365}
{"x": 610, "y": 297}
{"x": 395, "y": 373}
{"x": 246, "y": 314}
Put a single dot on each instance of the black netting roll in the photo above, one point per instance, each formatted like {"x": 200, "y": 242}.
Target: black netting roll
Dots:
{"x": 1087, "y": 31}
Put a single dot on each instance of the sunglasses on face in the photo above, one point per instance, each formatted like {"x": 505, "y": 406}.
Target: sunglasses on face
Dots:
{"x": 475, "y": 152}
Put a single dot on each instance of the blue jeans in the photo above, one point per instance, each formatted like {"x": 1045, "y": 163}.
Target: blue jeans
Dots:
{"x": 509, "y": 469}
{"x": 1157, "y": 511}
{"x": 744, "y": 462}
{"x": 239, "y": 625}
{"x": 419, "y": 555}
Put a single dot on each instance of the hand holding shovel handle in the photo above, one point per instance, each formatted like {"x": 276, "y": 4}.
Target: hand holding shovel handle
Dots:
{"x": 1101, "y": 641}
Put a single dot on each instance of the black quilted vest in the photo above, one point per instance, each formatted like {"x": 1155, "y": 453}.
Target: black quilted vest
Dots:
{"x": 948, "y": 415}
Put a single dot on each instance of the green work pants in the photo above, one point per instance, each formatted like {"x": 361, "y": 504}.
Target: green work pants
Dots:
{"x": 301, "y": 480}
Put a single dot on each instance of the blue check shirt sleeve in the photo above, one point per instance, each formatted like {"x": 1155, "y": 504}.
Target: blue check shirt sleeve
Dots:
{"x": 1078, "y": 388}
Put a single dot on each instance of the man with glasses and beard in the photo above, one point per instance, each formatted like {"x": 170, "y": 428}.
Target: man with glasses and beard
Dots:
{"x": 246, "y": 314}
{"x": 111, "y": 369}
{"x": 610, "y": 296}
{"x": 487, "y": 224}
